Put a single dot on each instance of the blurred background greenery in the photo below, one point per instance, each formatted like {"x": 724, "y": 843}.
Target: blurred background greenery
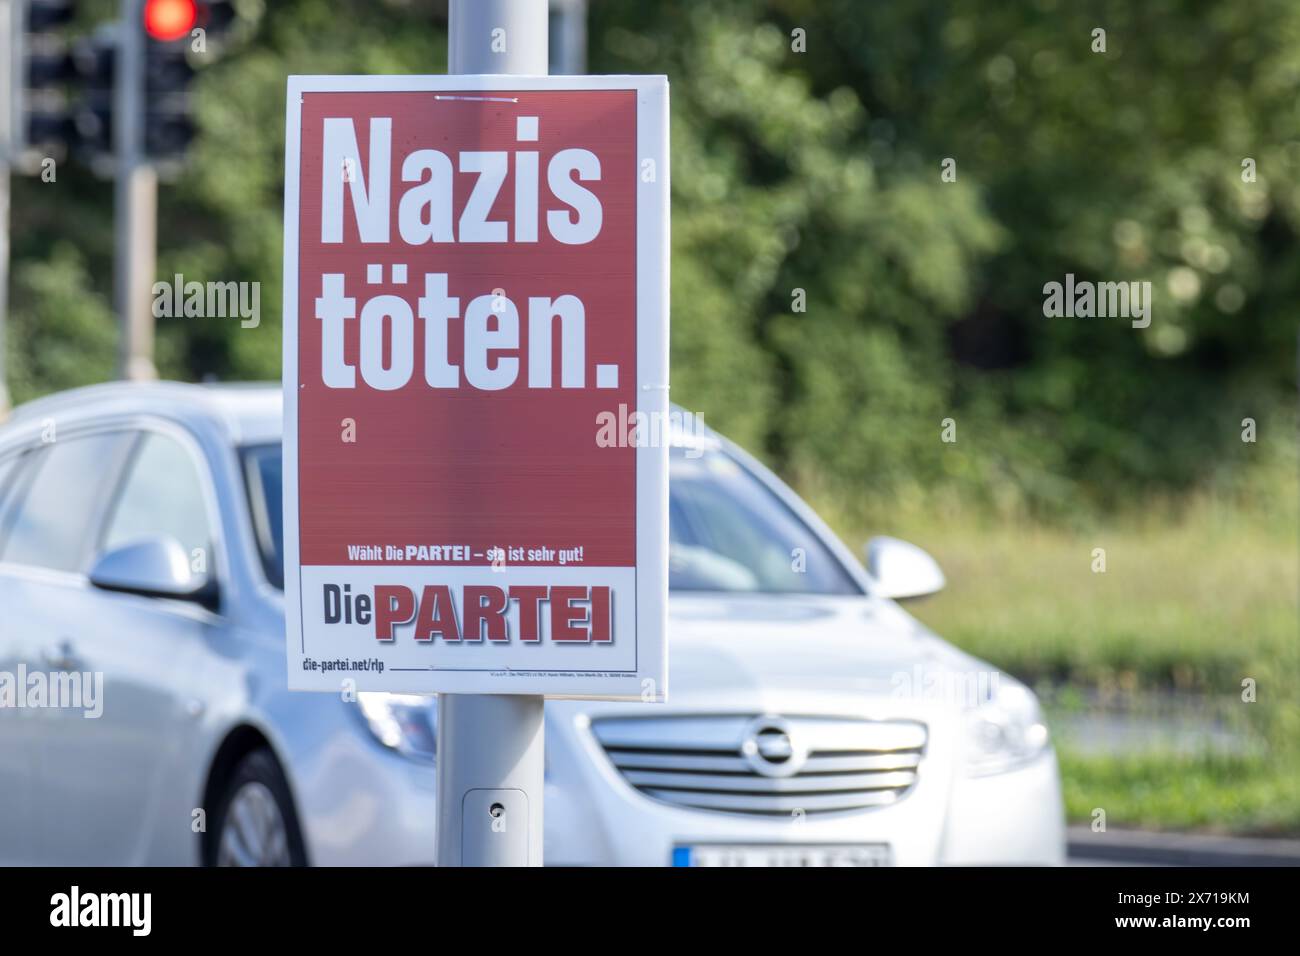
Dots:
{"x": 817, "y": 174}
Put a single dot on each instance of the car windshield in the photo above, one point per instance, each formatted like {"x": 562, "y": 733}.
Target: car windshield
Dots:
{"x": 727, "y": 530}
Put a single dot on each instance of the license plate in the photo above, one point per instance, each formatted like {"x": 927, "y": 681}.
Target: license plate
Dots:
{"x": 783, "y": 854}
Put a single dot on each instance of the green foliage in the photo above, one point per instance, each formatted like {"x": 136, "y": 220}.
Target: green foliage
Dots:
{"x": 1194, "y": 596}
{"x": 67, "y": 337}
{"x": 1125, "y": 164}
{"x": 1219, "y": 793}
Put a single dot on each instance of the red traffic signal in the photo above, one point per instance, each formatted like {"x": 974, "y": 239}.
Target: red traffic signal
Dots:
{"x": 168, "y": 20}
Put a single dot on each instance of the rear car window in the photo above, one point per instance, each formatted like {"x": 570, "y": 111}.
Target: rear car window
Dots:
{"x": 51, "y": 525}
{"x": 9, "y": 471}
{"x": 264, "y": 478}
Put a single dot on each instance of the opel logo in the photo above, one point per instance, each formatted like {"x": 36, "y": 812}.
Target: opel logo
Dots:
{"x": 770, "y": 749}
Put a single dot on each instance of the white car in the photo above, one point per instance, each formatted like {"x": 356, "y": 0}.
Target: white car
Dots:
{"x": 144, "y": 716}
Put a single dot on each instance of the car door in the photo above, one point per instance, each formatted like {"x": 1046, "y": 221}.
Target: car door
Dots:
{"x": 42, "y": 546}
{"x": 17, "y": 756}
{"x": 114, "y": 791}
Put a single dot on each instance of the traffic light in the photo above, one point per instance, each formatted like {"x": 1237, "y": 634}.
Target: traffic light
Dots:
{"x": 40, "y": 103}
{"x": 168, "y": 127}
{"x": 91, "y": 114}
{"x": 169, "y": 20}
{"x": 178, "y": 32}
{"x": 66, "y": 99}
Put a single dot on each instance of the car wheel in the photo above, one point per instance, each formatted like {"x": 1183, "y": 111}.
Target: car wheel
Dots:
{"x": 255, "y": 821}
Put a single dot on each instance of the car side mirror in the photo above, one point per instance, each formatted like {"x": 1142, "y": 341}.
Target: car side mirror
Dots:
{"x": 152, "y": 567}
{"x": 902, "y": 570}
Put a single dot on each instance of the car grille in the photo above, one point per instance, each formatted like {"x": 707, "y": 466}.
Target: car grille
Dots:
{"x": 766, "y": 765}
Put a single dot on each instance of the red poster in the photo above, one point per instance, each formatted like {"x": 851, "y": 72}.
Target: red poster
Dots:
{"x": 475, "y": 356}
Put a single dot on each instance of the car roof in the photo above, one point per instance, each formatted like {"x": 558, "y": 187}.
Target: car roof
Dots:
{"x": 248, "y": 413}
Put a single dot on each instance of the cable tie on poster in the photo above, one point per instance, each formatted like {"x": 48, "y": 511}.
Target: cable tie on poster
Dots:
{"x": 481, "y": 99}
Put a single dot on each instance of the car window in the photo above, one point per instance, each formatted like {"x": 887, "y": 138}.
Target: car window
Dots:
{"x": 729, "y": 532}
{"x": 162, "y": 496}
{"x": 52, "y": 521}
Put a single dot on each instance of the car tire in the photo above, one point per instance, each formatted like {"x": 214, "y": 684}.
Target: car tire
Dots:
{"x": 255, "y": 823}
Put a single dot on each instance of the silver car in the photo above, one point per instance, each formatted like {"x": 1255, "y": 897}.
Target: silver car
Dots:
{"x": 144, "y": 716}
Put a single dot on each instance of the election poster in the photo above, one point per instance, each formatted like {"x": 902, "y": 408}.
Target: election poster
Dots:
{"x": 475, "y": 360}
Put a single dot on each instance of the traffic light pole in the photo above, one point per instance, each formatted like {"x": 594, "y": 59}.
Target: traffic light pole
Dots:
{"x": 135, "y": 203}
{"x": 10, "y": 81}
{"x": 491, "y": 748}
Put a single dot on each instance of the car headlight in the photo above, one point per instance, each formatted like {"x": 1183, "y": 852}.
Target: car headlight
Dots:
{"x": 1005, "y": 732}
{"x": 406, "y": 723}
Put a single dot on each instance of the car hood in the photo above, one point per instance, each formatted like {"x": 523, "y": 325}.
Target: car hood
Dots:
{"x": 768, "y": 643}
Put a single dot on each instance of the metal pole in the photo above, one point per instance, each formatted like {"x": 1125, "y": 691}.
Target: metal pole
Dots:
{"x": 11, "y": 78}
{"x": 135, "y": 204}
{"x": 569, "y": 51}
{"x": 497, "y": 36}
{"x": 491, "y": 748}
